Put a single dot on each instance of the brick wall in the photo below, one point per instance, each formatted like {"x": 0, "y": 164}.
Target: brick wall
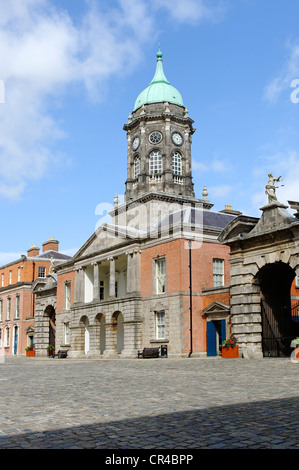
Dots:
{"x": 61, "y": 279}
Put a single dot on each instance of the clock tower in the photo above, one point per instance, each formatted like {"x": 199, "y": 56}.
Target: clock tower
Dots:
{"x": 159, "y": 135}
{"x": 159, "y": 172}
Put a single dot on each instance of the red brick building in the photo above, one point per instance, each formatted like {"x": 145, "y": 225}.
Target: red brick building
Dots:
{"x": 17, "y": 301}
{"x": 137, "y": 282}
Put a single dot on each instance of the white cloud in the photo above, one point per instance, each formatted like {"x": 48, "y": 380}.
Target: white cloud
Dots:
{"x": 220, "y": 190}
{"x": 43, "y": 52}
{"x": 283, "y": 80}
{"x": 192, "y": 11}
{"x": 8, "y": 257}
{"x": 216, "y": 165}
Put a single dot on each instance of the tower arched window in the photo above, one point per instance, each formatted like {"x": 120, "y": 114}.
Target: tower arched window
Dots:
{"x": 155, "y": 162}
{"x": 136, "y": 166}
{"x": 176, "y": 163}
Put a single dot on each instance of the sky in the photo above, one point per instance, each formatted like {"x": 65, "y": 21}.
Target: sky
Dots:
{"x": 71, "y": 70}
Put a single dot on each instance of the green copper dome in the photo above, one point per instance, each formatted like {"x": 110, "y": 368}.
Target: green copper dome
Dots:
{"x": 159, "y": 90}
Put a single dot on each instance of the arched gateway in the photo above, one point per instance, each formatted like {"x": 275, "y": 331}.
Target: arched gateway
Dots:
{"x": 264, "y": 263}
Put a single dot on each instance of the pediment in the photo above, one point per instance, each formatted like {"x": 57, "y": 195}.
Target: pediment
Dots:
{"x": 38, "y": 285}
{"x": 29, "y": 329}
{"x": 216, "y": 308}
{"x": 106, "y": 237}
{"x": 238, "y": 227}
{"x": 46, "y": 283}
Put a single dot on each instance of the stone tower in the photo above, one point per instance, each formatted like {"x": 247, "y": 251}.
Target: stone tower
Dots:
{"x": 159, "y": 135}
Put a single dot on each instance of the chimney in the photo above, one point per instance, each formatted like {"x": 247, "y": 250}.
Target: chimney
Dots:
{"x": 33, "y": 251}
{"x": 229, "y": 210}
{"x": 50, "y": 244}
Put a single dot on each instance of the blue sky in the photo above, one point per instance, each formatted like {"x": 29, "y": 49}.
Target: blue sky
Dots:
{"x": 72, "y": 70}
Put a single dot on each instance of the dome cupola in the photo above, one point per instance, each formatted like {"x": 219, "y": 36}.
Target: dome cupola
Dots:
{"x": 159, "y": 90}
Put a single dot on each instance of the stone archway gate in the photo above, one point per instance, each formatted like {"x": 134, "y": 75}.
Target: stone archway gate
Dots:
{"x": 255, "y": 243}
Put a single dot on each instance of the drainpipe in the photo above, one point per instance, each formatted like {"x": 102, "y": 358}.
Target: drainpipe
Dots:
{"x": 33, "y": 269}
{"x": 190, "y": 291}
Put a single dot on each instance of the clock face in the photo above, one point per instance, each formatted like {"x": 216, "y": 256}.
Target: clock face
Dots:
{"x": 177, "y": 138}
{"x": 135, "y": 142}
{"x": 155, "y": 137}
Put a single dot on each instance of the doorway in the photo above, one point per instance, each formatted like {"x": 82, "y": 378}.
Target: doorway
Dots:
{"x": 216, "y": 334}
{"x": 16, "y": 338}
{"x": 279, "y": 323}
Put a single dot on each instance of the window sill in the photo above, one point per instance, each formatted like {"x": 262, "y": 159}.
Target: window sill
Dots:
{"x": 159, "y": 340}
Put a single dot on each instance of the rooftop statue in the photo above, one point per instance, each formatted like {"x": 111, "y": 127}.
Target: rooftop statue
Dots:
{"x": 270, "y": 188}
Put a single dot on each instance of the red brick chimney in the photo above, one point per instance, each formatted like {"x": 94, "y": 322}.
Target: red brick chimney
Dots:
{"x": 50, "y": 244}
{"x": 33, "y": 251}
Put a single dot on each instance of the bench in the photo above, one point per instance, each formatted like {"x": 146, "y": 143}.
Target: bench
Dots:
{"x": 149, "y": 352}
{"x": 61, "y": 354}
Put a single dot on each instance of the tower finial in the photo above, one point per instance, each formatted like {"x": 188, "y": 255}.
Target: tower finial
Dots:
{"x": 159, "y": 54}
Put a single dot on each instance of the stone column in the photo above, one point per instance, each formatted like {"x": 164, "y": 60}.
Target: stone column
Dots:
{"x": 112, "y": 278}
{"x": 137, "y": 271}
{"x": 96, "y": 288}
{"x": 77, "y": 283}
{"x": 129, "y": 272}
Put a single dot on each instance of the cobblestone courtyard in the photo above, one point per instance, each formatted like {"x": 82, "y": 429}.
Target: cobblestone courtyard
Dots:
{"x": 149, "y": 404}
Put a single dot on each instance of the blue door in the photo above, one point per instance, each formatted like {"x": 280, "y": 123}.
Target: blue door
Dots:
{"x": 223, "y": 331}
{"x": 211, "y": 339}
{"x": 216, "y": 333}
{"x": 15, "y": 349}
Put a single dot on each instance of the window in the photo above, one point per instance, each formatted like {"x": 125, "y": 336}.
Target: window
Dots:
{"x": 8, "y": 308}
{"x": 6, "y": 337}
{"x": 17, "y": 307}
{"x": 155, "y": 164}
{"x": 160, "y": 325}
{"x": 160, "y": 276}
{"x": 1, "y": 310}
{"x": 67, "y": 294}
{"x": 10, "y": 277}
{"x": 2, "y": 280}
{"x": 67, "y": 333}
{"x": 0, "y": 337}
{"x": 136, "y": 167}
{"x": 155, "y": 137}
{"x": 41, "y": 271}
{"x": 176, "y": 163}
{"x": 19, "y": 274}
{"x": 218, "y": 272}
{"x": 102, "y": 290}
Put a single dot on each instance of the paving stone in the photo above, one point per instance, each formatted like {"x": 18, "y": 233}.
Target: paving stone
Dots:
{"x": 128, "y": 404}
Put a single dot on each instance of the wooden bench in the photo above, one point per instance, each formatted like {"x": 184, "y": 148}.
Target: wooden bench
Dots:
{"x": 149, "y": 352}
{"x": 61, "y": 353}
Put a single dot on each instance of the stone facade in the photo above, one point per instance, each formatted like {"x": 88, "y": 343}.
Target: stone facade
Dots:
{"x": 129, "y": 286}
{"x": 269, "y": 242}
